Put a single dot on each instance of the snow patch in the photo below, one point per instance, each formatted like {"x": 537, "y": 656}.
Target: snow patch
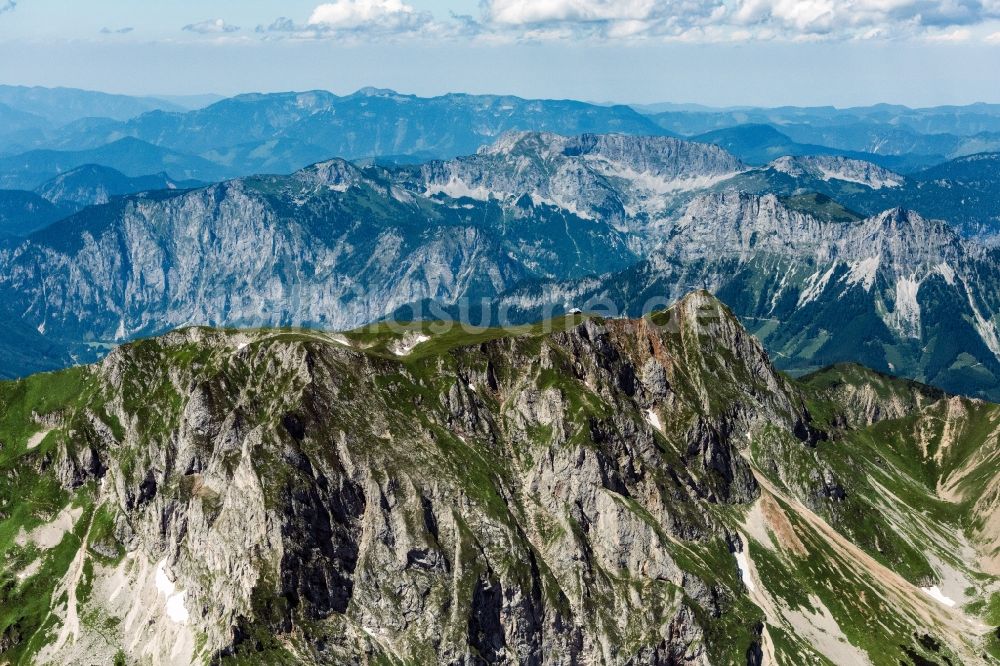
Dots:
{"x": 174, "y": 598}
{"x": 937, "y": 595}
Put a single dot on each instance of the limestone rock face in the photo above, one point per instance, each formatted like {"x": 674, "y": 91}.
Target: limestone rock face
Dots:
{"x": 337, "y": 245}
{"x": 875, "y": 291}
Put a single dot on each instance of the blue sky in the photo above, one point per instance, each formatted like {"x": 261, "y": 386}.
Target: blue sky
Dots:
{"x": 718, "y": 52}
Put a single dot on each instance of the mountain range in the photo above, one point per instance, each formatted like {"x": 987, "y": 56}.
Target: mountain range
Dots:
{"x": 303, "y": 378}
{"x": 963, "y": 191}
{"x": 283, "y": 132}
{"x": 534, "y": 224}
{"x": 903, "y": 135}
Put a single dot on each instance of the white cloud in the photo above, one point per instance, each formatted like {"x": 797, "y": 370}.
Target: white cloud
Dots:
{"x": 613, "y": 19}
{"x": 864, "y": 18}
{"x": 363, "y": 18}
{"x": 630, "y": 20}
{"x": 211, "y": 27}
{"x": 520, "y": 12}
{"x": 7, "y": 5}
{"x": 993, "y": 38}
{"x": 956, "y": 35}
{"x": 116, "y": 31}
{"x": 390, "y": 15}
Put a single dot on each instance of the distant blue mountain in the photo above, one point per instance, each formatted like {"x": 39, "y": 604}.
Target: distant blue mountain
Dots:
{"x": 936, "y": 133}
{"x": 93, "y": 184}
{"x": 22, "y": 213}
{"x": 63, "y": 105}
{"x": 954, "y": 120}
{"x": 761, "y": 144}
{"x": 130, "y": 156}
{"x": 282, "y": 132}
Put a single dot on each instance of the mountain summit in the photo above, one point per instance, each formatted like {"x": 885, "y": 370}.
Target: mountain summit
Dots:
{"x": 584, "y": 490}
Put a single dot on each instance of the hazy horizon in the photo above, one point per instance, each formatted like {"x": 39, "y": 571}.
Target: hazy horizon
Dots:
{"x": 201, "y": 98}
{"x": 717, "y": 53}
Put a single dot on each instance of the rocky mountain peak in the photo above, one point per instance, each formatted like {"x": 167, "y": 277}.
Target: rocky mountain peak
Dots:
{"x": 912, "y": 241}
{"x": 237, "y": 492}
{"x": 738, "y": 222}
{"x": 372, "y": 91}
{"x": 657, "y": 155}
{"x": 614, "y": 177}
{"x": 524, "y": 142}
{"x": 337, "y": 174}
{"x": 835, "y": 167}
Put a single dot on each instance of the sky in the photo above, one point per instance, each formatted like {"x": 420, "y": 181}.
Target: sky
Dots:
{"x": 713, "y": 52}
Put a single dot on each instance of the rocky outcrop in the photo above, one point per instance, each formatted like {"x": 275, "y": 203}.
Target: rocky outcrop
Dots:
{"x": 831, "y": 167}
{"x": 616, "y": 179}
{"x": 493, "y": 504}
{"x": 585, "y": 491}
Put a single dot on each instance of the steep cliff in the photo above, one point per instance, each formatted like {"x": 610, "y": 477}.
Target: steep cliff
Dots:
{"x": 895, "y": 291}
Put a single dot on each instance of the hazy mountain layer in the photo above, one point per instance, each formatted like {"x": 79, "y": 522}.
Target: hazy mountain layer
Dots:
{"x": 91, "y": 184}
{"x": 129, "y": 156}
{"x": 535, "y": 220}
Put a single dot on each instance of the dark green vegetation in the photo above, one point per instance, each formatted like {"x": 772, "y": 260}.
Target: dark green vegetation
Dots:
{"x": 23, "y": 212}
{"x": 821, "y": 207}
{"x": 572, "y": 490}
